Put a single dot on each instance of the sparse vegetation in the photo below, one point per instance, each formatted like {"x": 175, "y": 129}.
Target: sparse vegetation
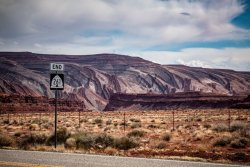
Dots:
{"x": 161, "y": 146}
{"x": 166, "y": 137}
{"x": 145, "y": 135}
{"x": 220, "y": 128}
{"x": 237, "y": 126}
{"x": 239, "y": 142}
{"x": 136, "y": 125}
{"x": 98, "y": 121}
{"x": 85, "y": 140}
{"x": 62, "y": 135}
{"x": 207, "y": 126}
{"x": 103, "y": 141}
{"x": 153, "y": 126}
{"x": 6, "y": 140}
{"x": 109, "y": 122}
{"x": 136, "y": 133}
{"x": 223, "y": 141}
{"x": 125, "y": 143}
{"x": 70, "y": 143}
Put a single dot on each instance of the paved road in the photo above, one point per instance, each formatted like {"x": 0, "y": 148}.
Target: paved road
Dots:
{"x": 34, "y": 158}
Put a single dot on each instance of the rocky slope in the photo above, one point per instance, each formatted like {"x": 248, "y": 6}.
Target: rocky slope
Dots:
{"x": 180, "y": 100}
{"x": 92, "y": 78}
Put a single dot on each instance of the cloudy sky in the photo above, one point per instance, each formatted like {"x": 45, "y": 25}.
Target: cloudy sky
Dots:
{"x": 203, "y": 33}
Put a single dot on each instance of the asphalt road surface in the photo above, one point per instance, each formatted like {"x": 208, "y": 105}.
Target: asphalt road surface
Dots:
{"x": 51, "y": 159}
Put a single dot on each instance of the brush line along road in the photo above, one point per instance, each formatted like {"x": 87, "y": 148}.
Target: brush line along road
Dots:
{"x": 34, "y": 158}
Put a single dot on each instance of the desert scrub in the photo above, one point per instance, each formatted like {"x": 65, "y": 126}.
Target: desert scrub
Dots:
{"x": 136, "y": 133}
{"x": 153, "y": 126}
{"x": 220, "y": 128}
{"x": 33, "y": 139}
{"x": 97, "y": 121}
{"x": 122, "y": 124}
{"x": 239, "y": 142}
{"x": 136, "y": 125}
{"x": 134, "y": 120}
{"x": 240, "y": 156}
{"x": 85, "y": 141}
{"x": 6, "y": 140}
{"x": 103, "y": 140}
{"x": 109, "y": 122}
{"x": 166, "y": 137}
{"x": 34, "y": 126}
{"x": 70, "y": 143}
{"x": 237, "y": 126}
{"x": 223, "y": 141}
{"x": 62, "y": 135}
{"x": 125, "y": 143}
{"x": 6, "y": 121}
{"x": 161, "y": 145}
{"x": 207, "y": 126}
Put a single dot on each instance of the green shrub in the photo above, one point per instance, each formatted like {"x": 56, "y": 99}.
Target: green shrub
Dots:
{"x": 85, "y": 141}
{"x": 220, "y": 128}
{"x": 166, "y": 137}
{"x": 103, "y": 141}
{"x": 62, "y": 135}
{"x": 6, "y": 140}
{"x": 235, "y": 126}
{"x": 222, "y": 141}
{"x": 136, "y": 133}
{"x": 239, "y": 142}
{"x": 125, "y": 143}
{"x": 161, "y": 146}
{"x": 70, "y": 143}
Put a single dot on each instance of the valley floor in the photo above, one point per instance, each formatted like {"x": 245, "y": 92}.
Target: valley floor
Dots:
{"x": 215, "y": 135}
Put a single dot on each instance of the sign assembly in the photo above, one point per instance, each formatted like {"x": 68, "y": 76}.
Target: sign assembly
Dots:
{"x": 56, "y": 81}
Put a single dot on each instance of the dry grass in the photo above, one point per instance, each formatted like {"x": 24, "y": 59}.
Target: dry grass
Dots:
{"x": 198, "y": 133}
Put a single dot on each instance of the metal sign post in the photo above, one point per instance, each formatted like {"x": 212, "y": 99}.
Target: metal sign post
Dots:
{"x": 56, "y": 83}
{"x": 55, "y": 118}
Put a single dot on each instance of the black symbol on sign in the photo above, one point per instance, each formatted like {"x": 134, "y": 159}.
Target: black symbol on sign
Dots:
{"x": 56, "y": 81}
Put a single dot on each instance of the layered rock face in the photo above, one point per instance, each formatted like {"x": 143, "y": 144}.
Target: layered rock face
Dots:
{"x": 183, "y": 100}
{"x": 91, "y": 79}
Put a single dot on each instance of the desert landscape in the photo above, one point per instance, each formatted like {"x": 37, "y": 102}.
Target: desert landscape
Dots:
{"x": 126, "y": 106}
{"x": 146, "y": 83}
{"x": 199, "y": 135}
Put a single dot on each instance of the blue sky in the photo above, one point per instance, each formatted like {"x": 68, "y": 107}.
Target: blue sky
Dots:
{"x": 202, "y": 33}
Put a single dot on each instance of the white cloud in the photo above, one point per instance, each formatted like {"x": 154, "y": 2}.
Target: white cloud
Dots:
{"x": 159, "y": 22}
{"x": 227, "y": 58}
{"x": 126, "y": 26}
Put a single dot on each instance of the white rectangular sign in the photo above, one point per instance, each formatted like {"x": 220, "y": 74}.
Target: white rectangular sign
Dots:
{"x": 56, "y": 67}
